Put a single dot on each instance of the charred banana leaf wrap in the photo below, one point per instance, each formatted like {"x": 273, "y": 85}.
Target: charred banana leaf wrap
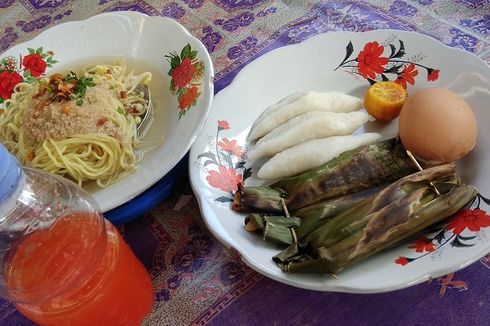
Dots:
{"x": 356, "y": 170}
{"x": 339, "y": 217}
{"x": 378, "y": 222}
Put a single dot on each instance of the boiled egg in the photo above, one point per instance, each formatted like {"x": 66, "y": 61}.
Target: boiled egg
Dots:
{"x": 438, "y": 125}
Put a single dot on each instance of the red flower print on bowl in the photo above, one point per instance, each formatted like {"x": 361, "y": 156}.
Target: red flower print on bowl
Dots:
{"x": 188, "y": 99}
{"x": 374, "y": 64}
{"x": 186, "y": 74}
{"x": 31, "y": 67}
{"x": 468, "y": 221}
{"x": 228, "y": 159}
{"x": 182, "y": 75}
{"x": 35, "y": 64}
{"x": 8, "y": 80}
{"x": 369, "y": 60}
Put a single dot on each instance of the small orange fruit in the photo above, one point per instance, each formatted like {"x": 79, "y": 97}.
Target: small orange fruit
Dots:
{"x": 384, "y": 100}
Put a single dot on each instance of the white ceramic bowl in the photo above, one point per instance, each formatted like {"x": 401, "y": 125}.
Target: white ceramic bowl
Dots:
{"x": 144, "y": 42}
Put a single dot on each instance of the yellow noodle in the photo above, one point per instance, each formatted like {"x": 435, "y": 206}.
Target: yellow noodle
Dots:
{"x": 100, "y": 157}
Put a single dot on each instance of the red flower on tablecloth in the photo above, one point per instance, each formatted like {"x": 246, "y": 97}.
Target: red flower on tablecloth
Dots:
{"x": 432, "y": 74}
{"x": 223, "y": 125}
{"x": 226, "y": 179}
{"x": 228, "y": 157}
{"x": 472, "y": 220}
{"x": 422, "y": 245}
{"x": 32, "y": 66}
{"x": 407, "y": 76}
{"x": 187, "y": 73}
{"x": 188, "y": 98}
{"x": 231, "y": 147}
{"x": 8, "y": 80}
{"x": 35, "y": 64}
{"x": 369, "y": 60}
{"x": 376, "y": 62}
{"x": 447, "y": 282}
{"x": 182, "y": 74}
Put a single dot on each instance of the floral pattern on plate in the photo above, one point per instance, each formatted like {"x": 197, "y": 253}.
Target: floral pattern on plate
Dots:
{"x": 227, "y": 157}
{"x": 468, "y": 221}
{"x": 373, "y": 64}
{"x": 27, "y": 69}
{"x": 409, "y": 56}
{"x": 186, "y": 72}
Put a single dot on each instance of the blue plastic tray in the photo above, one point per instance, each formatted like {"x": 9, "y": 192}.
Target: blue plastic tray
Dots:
{"x": 150, "y": 198}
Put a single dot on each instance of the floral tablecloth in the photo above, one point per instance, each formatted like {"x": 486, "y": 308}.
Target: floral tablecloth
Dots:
{"x": 199, "y": 282}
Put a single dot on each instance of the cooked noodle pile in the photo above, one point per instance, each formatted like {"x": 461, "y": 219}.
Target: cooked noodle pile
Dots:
{"x": 82, "y": 126}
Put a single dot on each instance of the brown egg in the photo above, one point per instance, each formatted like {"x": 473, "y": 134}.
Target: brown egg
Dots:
{"x": 437, "y": 125}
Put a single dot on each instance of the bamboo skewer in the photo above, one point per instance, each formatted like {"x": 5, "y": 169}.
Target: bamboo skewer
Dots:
{"x": 414, "y": 160}
{"x": 286, "y": 212}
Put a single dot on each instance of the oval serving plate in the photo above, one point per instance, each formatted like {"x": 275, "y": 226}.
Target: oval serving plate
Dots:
{"x": 156, "y": 44}
{"x": 328, "y": 62}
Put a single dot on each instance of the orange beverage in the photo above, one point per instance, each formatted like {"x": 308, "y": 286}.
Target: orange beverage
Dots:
{"x": 78, "y": 272}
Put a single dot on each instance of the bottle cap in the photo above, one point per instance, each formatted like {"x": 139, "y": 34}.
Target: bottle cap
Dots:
{"x": 10, "y": 172}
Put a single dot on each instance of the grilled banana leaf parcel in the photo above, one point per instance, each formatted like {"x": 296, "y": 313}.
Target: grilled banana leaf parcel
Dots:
{"x": 356, "y": 217}
{"x": 277, "y": 229}
{"x": 363, "y": 168}
{"x": 395, "y": 214}
{"x": 323, "y": 218}
{"x": 274, "y": 229}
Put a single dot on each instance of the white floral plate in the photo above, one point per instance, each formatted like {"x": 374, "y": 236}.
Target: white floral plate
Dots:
{"x": 343, "y": 61}
{"x": 182, "y": 86}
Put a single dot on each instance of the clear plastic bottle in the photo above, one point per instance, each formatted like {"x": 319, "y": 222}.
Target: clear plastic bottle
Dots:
{"x": 61, "y": 262}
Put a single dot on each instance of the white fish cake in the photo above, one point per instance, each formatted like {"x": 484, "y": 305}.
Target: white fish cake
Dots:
{"x": 296, "y": 104}
{"x": 311, "y": 154}
{"x": 310, "y": 125}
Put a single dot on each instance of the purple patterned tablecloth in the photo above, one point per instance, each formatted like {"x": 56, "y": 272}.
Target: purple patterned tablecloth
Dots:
{"x": 199, "y": 282}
